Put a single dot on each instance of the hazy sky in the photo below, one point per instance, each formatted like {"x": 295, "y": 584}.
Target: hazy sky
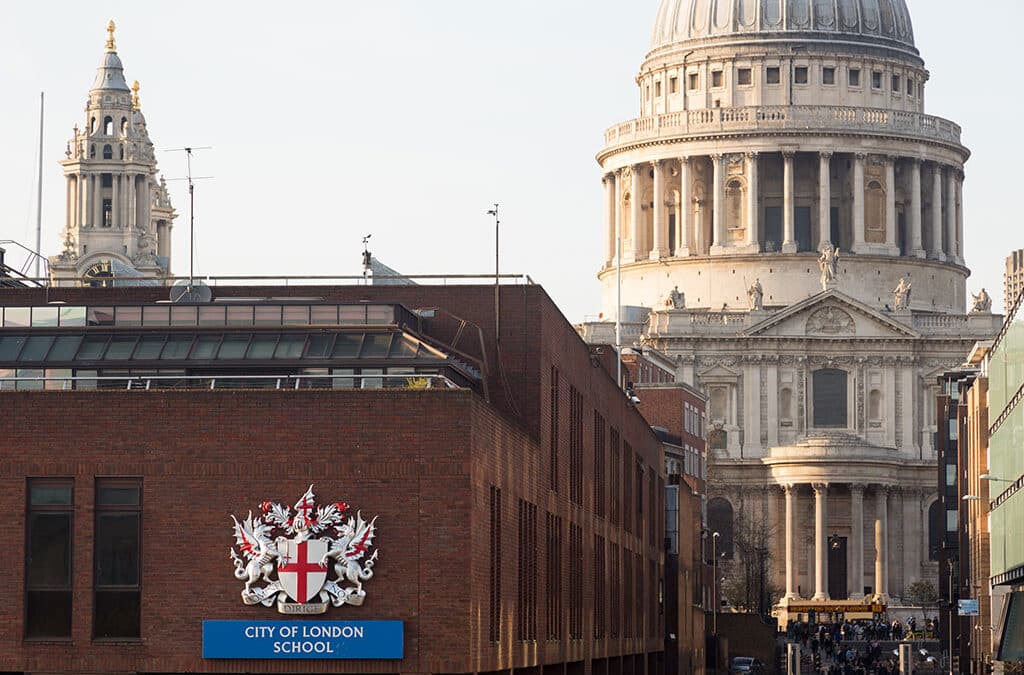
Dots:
{"x": 409, "y": 118}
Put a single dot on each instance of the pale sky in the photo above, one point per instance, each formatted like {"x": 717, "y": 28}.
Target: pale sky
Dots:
{"x": 407, "y": 119}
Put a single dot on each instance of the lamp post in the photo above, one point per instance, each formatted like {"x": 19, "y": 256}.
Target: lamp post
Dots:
{"x": 714, "y": 586}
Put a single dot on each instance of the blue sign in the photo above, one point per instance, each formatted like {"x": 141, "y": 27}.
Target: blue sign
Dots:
{"x": 969, "y": 607}
{"x": 303, "y": 640}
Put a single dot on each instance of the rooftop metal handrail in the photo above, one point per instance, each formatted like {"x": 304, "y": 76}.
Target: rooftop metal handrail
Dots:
{"x": 289, "y": 279}
{"x": 145, "y": 382}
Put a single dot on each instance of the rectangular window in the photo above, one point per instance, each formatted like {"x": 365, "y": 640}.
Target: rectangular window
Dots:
{"x": 599, "y": 588}
{"x": 673, "y": 85}
{"x": 876, "y": 79}
{"x": 496, "y": 559}
{"x": 118, "y": 559}
{"x": 48, "y": 559}
{"x": 854, "y": 77}
{"x": 627, "y": 578}
{"x": 657, "y": 89}
{"x": 575, "y": 582}
{"x": 575, "y": 446}
{"x": 526, "y": 601}
{"x": 772, "y": 75}
{"x": 800, "y": 75}
{"x": 694, "y": 81}
{"x": 896, "y": 83}
{"x": 910, "y": 86}
{"x": 828, "y": 75}
{"x": 639, "y": 498}
{"x": 627, "y": 487}
{"x": 716, "y": 78}
{"x": 600, "y": 453}
{"x": 743, "y": 77}
{"x": 554, "y": 576}
{"x": 615, "y": 611}
{"x": 613, "y": 479}
{"x": 554, "y": 438}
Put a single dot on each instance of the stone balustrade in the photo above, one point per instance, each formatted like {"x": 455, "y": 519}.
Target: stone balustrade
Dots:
{"x": 809, "y": 118}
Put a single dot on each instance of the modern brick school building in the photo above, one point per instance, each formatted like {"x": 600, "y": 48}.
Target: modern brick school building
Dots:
{"x": 475, "y": 504}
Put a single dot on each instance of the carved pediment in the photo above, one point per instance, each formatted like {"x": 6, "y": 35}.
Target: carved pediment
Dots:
{"x": 831, "y": 315}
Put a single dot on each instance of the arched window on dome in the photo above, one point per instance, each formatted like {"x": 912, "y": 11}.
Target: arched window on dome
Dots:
{"x": 720, "y": 520}
{"x": 874, "y": 213}
{"x": 735, "y": 210}
{"x": 936, "y": 530}
{"x": 108, "y": 152}
{"x": 830, "y": 399}
{"x": 108, "y": 126}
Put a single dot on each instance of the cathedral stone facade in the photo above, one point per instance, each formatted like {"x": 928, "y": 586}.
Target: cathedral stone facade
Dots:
{"x": 789, "y": 221}
{"x": 119, "y": 216}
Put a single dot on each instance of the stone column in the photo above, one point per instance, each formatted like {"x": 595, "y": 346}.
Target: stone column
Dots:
{"x": 881, "y": 543}
{"x": 718, "y": 207}
{"x": 609, "y": 217}
{"x": 858, "y": 202}
{"x": 685, "y": 207}
{"x": 790, "y": 541}
{"x": 937, "y": 214}
{"x": 753, "y": 220}
{"x": 789, "y": 244}
{"x": 619, "y": 215}
{"x": 637, "y": 214}
{"x": 890, "y": 551}
{"x": 951, "y": 249}
{"x": 857, "y": 540}
{"x": 820, "y": 541}
{"x": 67, "y": 203}
{"x": 660, "y": 249}
{"x": 960, "y": 217}
{"x": 891, "y": 222}
{"x": 115, "y": 201}
{"x": 824, "y": 199}
{"x": 916, "y": 249}
{"x": 80, "y": 200}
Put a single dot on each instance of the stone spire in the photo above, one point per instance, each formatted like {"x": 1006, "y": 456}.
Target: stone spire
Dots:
{"x": 119, "y": 216}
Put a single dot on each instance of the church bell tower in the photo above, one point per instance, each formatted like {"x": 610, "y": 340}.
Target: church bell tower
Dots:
{"x": 119, "y": 215}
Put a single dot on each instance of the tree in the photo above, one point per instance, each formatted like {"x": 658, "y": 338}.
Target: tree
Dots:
{"x": 748, "y": 576}
{"x": 923, "y": 593}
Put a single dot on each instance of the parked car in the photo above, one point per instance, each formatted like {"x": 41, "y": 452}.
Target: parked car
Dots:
{"x": 746, "y": 664}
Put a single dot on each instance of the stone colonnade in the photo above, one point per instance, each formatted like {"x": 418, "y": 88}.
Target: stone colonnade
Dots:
{"x": 129, "y": 196}
{"x": 822, "y": 540}
{"x": 872, "y": 195}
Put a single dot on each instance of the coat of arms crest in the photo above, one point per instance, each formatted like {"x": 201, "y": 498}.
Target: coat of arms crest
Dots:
{"x": 305, "y": 557}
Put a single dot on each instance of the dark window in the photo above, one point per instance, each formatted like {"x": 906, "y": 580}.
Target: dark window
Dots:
{"x": 553, "y": 439}
{"x": 575, "y": 582}
{"x": 854, "y": 77}
{"x": 716, "y": 78}
{"x": 526, "y": 601}
{"x": 772, "y": 75}
{"x": 496, "y": 562}
{"x": 800, "y": 75}
{"x": 600, "y": 458}
{"x": 600, "y": 601}
{"x": 830, "y": 397}
{"x": 613, "y": 479}
{"x": 936, "y": 530}
{"x": 48, "y": 559}
{"x": 720, "y": 520}
{"x": 896, "y": 83}
{"x": 876, "y": 79}
{"x": 743, "y": 76}
{"x": 118, "y": 559}
{"x": 575, "y": 446}
{"x": 694, "y": 80}
{"x": 108, "y": 152}
{"x": 554, "y": 576}
{"x": 828, "y": 75}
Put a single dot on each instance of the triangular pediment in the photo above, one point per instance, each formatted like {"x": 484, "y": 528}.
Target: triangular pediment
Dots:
{"x": 831, "y": 315}
{"x": 718, "y": 373}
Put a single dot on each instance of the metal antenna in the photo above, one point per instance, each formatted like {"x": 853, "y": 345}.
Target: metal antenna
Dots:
{"x": 367, "y": 256}
{"x": 497, "y": 278}
{"x": 191, "y": 207}
{"x": 39, "y": 193}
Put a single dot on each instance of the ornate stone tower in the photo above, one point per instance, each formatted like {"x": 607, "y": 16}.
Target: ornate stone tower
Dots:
{"x": 119, "y": 216}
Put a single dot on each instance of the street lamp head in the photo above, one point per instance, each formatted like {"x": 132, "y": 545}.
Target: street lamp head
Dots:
{"x": 970, "y": 498}
{"x": 716, "y": 535}
{"x": 990, "y": 477}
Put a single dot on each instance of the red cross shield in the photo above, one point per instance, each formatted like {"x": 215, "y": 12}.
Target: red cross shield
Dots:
{"x": 299, "y": 570}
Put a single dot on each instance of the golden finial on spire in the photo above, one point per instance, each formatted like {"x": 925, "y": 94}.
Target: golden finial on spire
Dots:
{"x": 135, "y": 95}
{"x": 111, "y": 46}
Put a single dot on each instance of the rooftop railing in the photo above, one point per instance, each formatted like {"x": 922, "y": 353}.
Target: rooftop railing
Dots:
{"x": 807, "y": 118}
{"x": 229, "y": 382}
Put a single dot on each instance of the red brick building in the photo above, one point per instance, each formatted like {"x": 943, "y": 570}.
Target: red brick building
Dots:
{"x": 518, "y": 495}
